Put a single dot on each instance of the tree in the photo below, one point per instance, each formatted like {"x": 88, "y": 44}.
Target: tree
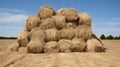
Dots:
{"x": 102, "y": 36}
{"x": 110, "y": 37}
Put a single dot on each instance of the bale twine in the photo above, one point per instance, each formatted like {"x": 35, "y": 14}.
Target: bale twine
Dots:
{"x": 94, "y": 45}
{"x": 65, "y": 45}
{"x": 51, "y": 47}
{"x": 60, "y": 21}
{"x": 46, "y": 12}
{"x": 14, "y": 47}
{"x": 78, "y": 45}
{"x": 23, "y": 39}
{"x": 84, "y": 32}
{"x": 32, "y": 22}
{"x": 67, "y": 33}
{"x": 47, "y": 23}
{"x": 61, "y": 11}
{"x": 51, "y": 35}
{"x": 70, "y": 14}
{"x": 35, "y": 46}
{"x": 84, "y": 19}
{"x": 37, "y": 33}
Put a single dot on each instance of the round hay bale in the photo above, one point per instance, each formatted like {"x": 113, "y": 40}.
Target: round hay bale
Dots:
{"x": 94, "y": 45}
{"x": 70, "y": 14}
{"x": 65, "y": 45}
{"x": 32, "y": 22}
{"x": 84, "y": 32}
{"x": 23, "y": 50}
{"x": 67, "y": 33}
{"x": 23, "y": 39}
{"x": 46, "y": 12}
{"x": 51, "y": 35}
{"x": 14, "y": 47}
{"x": 51, "y": 47}
{"x": 84, "y": 19}
{"x": 61, "y": 11}
{"x": 60, "y": 21}
{"x": 37, "y": 33}
{"x": 35, "y": 46}
{"x": 47, "y": 23}
{"x": 78, "y": 45}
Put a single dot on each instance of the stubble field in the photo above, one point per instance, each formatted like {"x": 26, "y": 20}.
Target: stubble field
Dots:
{"x": 110, "y": 58}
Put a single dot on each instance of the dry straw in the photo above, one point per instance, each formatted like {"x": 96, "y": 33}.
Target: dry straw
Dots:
{"x": 84, "y": 19}
{"x": 51, "y": 35}
{"x": 94, "y": 45}
{"x": 65, "y": 45}
{"x": 59, "y": 21}
{"x": 84, "y": 32}
{"x": 47, "y": 23}
{"x": 51, "y": 47}
{"x": 46, "y": 12}
{"x": 32, "y": 22}
{"x": 78, "y": 45}
{"x": 23, "y": 39}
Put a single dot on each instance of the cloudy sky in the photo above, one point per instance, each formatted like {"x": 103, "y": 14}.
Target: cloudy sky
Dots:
{"x": 105, "y": 14}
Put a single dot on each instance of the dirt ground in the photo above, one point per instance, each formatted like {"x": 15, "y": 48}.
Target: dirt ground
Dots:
{"x": 110, "y": 58}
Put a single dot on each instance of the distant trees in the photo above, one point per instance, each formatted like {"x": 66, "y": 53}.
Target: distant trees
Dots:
{"x": 8, "y": 37}
{"x": 102, "y": 36}
{"x": 109, "y": 37}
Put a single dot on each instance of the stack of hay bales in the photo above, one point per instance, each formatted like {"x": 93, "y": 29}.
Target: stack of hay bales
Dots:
{"x": 65, "y": 30}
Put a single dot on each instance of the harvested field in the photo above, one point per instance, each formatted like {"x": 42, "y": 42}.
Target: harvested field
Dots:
{"x": 110, "y": 58}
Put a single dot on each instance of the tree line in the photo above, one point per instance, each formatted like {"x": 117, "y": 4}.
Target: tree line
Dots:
{"x": 109, "y": 37}
{"x": 8, "y": 37}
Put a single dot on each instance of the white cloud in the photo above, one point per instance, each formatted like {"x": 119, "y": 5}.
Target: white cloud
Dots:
{"x": 111, "y": 23}
{"x": 10, "y": 17}
{"x": 11, "y": 10}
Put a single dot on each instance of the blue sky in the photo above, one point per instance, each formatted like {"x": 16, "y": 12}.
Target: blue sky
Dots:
{"x": 105, "y": 14}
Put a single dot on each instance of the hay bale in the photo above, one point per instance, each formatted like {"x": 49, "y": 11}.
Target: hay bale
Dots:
{"x": 23, "y": 39}
{"x": 35, "y": 46}
{"x": 60, "y": 21}
{"x": 47, "y": 23}
{"x": 67, "y": 33}
{"x": 51, "y": 35}
{"x": 51, "y": 47}
{"x": 61, "y": 11}
{"x": 84, "y": 19}
{"x": 78, "y": 45}
{"x": 23, "y": 50}
{"x": 32, "y": 22}
{"x": 46, "y": 12}
{"x": 65, "y": 45}
{"x": 14, "y": 47}
{"x": 70, "y": 14}
{"x": 37, "y": 33}
{"x": 84, "y": 32}
{"x": 94, "y": 45}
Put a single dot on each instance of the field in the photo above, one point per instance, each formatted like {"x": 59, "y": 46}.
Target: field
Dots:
{"x": 110, "y": 58}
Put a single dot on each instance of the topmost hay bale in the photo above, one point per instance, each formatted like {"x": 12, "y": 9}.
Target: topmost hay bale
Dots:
{"x": 32, "y": 22}
{"x": 46, "y": 12}
{"x": 61, "y": 11}
{"x": 84, "y": 19}
{"x": 71, "y": 14}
